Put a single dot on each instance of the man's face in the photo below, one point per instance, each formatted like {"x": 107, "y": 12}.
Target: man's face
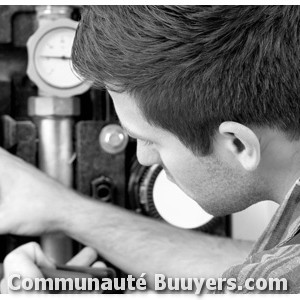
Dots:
{"x": 218, "y": 187}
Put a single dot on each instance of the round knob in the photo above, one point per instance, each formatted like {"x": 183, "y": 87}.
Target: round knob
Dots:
{"x": 113, "y": 139}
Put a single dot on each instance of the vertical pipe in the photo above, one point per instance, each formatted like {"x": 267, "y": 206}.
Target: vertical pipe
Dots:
{"x": 56, "y": 148}
{"x": 55, "y": 153}
{"x": 54, "y": 119}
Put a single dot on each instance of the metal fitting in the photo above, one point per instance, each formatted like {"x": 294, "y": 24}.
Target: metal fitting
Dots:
{"x": 46, "y": 13}
{"x": 53, "y": 106}
{"x": 103, "y": 189}
{"x": 113, "y": 139}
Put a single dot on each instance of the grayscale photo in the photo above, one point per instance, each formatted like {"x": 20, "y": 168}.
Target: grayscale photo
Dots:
{"x": 150, "y": 149}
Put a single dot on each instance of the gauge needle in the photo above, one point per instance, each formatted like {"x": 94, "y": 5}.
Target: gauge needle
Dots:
{"x": 55, "y": 57}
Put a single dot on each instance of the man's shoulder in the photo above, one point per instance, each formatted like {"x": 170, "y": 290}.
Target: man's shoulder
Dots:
{"x": 280, "y": 263}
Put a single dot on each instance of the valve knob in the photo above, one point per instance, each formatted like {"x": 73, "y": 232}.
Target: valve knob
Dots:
{"x": 113, "y": 139}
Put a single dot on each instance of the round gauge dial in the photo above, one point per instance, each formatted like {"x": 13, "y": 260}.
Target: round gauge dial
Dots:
{"x": 49, "y": 59}
{"x": 53, "y": 58}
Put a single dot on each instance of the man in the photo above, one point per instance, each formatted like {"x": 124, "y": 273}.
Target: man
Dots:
{"x": 211, "y": 94}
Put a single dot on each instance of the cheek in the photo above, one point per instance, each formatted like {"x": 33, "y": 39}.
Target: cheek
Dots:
{"x": 174, "y": 164}
{"x": 189, "y": 175}
{"x": 216, "y": 187}
{"x": 201, "y": 180}
{"x": 199, "y": 177}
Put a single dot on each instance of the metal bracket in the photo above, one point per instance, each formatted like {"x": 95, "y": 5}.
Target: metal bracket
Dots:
{"x": 19, "y": 138}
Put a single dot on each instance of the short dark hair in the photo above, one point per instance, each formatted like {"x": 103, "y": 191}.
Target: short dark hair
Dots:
{"x": 193, "y": 67}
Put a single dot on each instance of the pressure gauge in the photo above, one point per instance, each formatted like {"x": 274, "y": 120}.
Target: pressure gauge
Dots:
{"x": 49, "y": 59}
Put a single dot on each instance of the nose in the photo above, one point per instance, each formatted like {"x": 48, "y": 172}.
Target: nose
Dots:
{"x": 147, "y": 155}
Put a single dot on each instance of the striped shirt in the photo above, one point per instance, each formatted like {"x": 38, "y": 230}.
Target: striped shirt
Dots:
{"x": 270, "y": 257}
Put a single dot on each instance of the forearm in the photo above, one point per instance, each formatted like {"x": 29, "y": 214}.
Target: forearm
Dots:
{"x": 138, "y": 244}
{"x": 32, "y": 203}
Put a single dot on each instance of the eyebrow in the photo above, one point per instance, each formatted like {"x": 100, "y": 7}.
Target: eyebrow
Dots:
{"x": 130, "y": 133}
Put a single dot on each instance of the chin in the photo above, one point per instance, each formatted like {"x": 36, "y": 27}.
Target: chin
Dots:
{"x": 214, "y": 211}
{"x": 217, "y": 210}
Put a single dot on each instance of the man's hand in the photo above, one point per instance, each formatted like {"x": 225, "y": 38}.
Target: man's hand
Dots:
{"x": 30, "y": 201}
{"x": 26, "y": 260}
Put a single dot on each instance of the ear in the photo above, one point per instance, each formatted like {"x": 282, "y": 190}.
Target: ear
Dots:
{"x": 243, "y": 143}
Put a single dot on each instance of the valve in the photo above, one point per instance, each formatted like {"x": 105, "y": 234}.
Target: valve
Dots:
{"x": 113, "y": 139}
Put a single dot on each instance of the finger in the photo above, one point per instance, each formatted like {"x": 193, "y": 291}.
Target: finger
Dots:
{"x": 32, "y": 254}
{"x": 84, "y": 258}
{"x": 99, "y": 264}
{"x": 23, "y": 262}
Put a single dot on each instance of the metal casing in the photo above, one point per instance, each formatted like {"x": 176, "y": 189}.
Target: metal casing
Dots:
{"x": 32, "y": 72}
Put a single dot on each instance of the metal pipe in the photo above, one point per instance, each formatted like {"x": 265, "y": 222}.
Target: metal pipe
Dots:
{"x": 56, "y": 148}
{"x": 54, "y": 119}
{"x": 55, "y": 154}
{"x": 49, "y": 13}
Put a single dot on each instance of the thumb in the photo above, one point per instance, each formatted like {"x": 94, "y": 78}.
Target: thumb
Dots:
{"x": 84, "y": 258}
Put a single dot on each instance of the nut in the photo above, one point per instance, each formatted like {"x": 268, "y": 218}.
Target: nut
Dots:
{"x": 53, "y": 106}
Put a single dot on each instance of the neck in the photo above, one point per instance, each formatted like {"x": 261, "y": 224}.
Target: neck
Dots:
{"x": 281, "y": 186}
{"x": 280, "y": 164}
